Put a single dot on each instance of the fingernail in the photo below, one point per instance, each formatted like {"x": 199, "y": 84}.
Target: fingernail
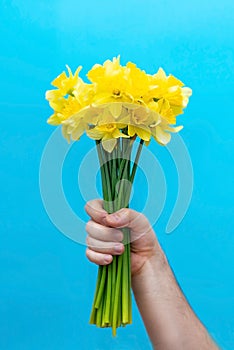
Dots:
{"x": 107, "y": 259}
{"x": 118, "y": 236}
{"x": 118, "y": 248}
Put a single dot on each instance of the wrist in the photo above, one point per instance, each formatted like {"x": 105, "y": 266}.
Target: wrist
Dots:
{"x": 155, "y": 265}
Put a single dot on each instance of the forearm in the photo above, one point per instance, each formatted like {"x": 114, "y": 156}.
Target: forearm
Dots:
{"x": 169, "y": 320}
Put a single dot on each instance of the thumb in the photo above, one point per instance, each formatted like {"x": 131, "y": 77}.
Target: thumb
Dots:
{"x": 132, "y": 219}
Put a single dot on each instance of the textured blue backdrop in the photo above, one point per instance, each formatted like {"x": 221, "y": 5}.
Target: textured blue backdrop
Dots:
{"x": 46, "y": 283}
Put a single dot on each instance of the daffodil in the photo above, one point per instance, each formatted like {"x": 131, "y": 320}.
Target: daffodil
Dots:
{"x": 120, "y": 94}
{"x": 169, "y": 88}
{"x": 107, "y": 133}
{"x": 162, "y": 132}
{"x": 74, "y": 129}
{"x": 138, "y": 83}
{"x": 163, "y": 108}
{"x": 140, "y": 120}
{"x": 64, "y": 108}
{"x": 110, "y": 81}
{"x": 66, "y": 84}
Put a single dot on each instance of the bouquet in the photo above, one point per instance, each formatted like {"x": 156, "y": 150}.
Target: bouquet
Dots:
{"x": 120, "y": 105}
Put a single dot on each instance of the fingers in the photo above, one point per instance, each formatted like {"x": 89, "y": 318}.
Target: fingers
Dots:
{"x": 103, "y": 242}
{"x": 113, "y": 248}
{"x": 94, "y": 209}
{"x": 98, "y": 258}
{"x": 104, "y": 237}
{"x": 136, "y": 221}
{"x": 103, "y": 233}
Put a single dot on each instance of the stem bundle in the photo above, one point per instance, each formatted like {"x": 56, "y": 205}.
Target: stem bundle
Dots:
{"x": 112, "y": 305}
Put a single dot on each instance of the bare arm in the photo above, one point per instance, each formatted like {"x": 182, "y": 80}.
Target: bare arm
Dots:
{"x": 168, "y": 318}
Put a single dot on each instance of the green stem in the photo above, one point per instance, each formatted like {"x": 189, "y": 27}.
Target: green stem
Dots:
{"x": 113, "y": 284}
{"x": 106, "y": 185}
{"x": 128, "y": 247}
{"x": 119, "y": 315}
{"x": 101, "y": 288}
{"x": 93, "y": 312}
{"x": 112, "y": 302}
{"x": 125, "y": 279}
{"x": 99, "y": 315}
{"x": 108, "y": 295}
{"x": 103, "y": 323}
{"x": 117, "y": 294}
{"x": 136, "y": 161}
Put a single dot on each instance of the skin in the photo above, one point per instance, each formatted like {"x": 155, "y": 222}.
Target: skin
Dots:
{"x": 170, "y": 322}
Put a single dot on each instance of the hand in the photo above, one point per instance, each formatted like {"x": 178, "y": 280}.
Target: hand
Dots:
{"x": 169, "y": 319}
{"x": 105, "y": 237}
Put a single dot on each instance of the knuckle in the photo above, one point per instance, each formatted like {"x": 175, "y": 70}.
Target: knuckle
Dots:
{"x": 120, "y": 235}
{"x": 88, "y": 225}
{"x": 87, "y": 253}
{"x": 117, "y": 235}
{"x": 125, "y": 211}
{"x": 88, "y": 241}
{"x": 87, "y": 206}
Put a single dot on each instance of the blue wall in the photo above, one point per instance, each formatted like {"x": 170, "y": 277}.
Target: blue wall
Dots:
{"x": 46, "y": 283}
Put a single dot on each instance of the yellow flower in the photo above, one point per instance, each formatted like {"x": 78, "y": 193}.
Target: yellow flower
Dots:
{"x": 78, "y": 123}
{"x": 56, "y": 102}
{"x": 114, "y": 82}
{"x": 142, "y": 131}
{"x": 110, "y": 81}
{"x": 186, "y": 93}
{"x": 141, "y": 118}
{"x": 83, "y": 93}
{"x": 65, "y": 83}
{"x": 161, "y": 132}
{"x": 138, "y": 83}
{"x": 170, "y": 89}
{"x": 74, "y": 129}
{"x": 65, "y": 110}
{"x": 118, "y": 97}
{"x": 54, "y": 119}
{"x": 163, "y": 108}
{"x": 108, "y": 133}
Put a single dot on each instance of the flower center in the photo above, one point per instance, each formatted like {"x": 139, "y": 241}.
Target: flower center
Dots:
{"x": 116, "y": 92}
{"x": 110, "y": 126}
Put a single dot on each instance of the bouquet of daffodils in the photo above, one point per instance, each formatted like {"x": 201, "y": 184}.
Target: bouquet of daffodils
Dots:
{"x": 120, "y": 105}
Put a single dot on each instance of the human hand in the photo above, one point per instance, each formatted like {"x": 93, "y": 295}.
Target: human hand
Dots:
{"x": 105, "y": 236}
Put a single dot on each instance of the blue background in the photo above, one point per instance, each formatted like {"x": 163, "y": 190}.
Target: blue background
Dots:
{"x": 46, "y": 283}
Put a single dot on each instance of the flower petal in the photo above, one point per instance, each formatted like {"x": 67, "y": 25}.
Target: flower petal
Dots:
{"x": 109, "y": 144}
{"x": 94, "y": 134}
{"x": 143, "y": 133}
{"x": 115, "y": 109}
{"x": 78, "y": 131}
{"x": 161, "y": 136}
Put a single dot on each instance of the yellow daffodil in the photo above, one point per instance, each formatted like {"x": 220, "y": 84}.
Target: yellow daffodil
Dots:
{"x": 170, "y": 89}
{"x": 161, "y": 132}
{"x": 163, "y": 108}
{"x": 65, "y": 110}
{"x": 110, "y": 81}
{"x": 108, "y": 133}
{"x": 140, "y": 120}
{"x": 138, "y": 83}
{"x": 65, "y": 83}
{"x": 74, "y": 129}
{"x": 117, "y": 97}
